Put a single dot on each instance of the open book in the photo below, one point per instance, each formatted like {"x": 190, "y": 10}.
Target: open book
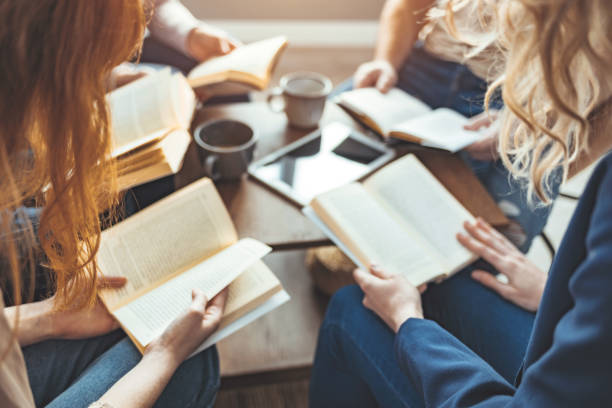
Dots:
{"x": 185, "y": 241}
{"x": 402, "y": 116}
{"x": 247, "y": 67}
{"x": 150, "y": 121}
{"x": 401, "y": 218}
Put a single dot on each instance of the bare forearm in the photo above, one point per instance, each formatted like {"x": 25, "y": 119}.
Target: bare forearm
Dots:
{"x": 400, "y": 23}
{"x": 142, "y": 385}
{"x": 34, "y": 322}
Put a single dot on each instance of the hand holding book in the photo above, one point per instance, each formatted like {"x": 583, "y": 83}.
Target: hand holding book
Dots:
{"x": 206, "y": 41}
{"x": 486, "y": 148}
{"x": 189, "y": 330}
{"x": 184, "y": 242}
{"x": 392, "y": 297}
{"x": 396, "y": 114}
{"x": 379, "y": 74}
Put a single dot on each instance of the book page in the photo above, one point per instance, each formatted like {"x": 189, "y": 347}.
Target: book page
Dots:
{"x": 147, "y": 316}
{"x": 256, "y": 59}
{"x": 164, "y": 239}
{"x": 142, "y": 111}
{"x": 253, "y": 284}
{"x": 386, "y": 110}
{"x": 374, "y": 236}
{"x": 442, "y": 128}
{"x": 277, "y": 299}
{"x": 184, "y": 100}
{"x": 409, "y": 190}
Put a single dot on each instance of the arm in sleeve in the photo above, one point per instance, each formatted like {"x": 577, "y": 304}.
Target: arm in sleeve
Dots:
{"x": 171, "y": 24}
{"x": 574, "y": 371}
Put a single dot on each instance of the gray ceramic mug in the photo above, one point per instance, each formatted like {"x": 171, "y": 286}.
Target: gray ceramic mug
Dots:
{"x": 302, "y": 96}
{"x": 226, "y": 148}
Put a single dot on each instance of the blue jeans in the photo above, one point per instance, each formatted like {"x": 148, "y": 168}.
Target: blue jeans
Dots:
{"x": 43, "y": 282}
{"x": 75, "y": 373}
{"x": 355, "y": 365}
{"x": 441, "y": 83}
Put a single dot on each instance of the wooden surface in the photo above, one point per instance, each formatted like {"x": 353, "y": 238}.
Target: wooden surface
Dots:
{"x": 283, "y": 341}
{"x": 461, "y": 182}
{"x": 261, "y": 213}
{"x": 293, "y": 394}
{"x": 257, "y": 211}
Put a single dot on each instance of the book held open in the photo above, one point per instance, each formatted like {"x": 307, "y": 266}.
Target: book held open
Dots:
{"x": 400, "y": 218}
{"x": 402, "y": 116}
{"x": 246, "y": 68}
{"x": 150, "y": 121}
{"x": 185, "y": 241}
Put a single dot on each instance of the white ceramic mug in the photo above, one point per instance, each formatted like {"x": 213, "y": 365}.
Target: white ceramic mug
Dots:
{"x": 302, "y": 96}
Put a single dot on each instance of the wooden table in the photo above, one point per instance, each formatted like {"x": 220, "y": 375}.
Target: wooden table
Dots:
{"x": 261, "y": 213}
{"x": 280, "y": 346}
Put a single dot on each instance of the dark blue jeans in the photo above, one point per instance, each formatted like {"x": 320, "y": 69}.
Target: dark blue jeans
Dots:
{"x": 447, "y": 84}
{"x": 355, "y": 365}
{"x": 75, "y": 373}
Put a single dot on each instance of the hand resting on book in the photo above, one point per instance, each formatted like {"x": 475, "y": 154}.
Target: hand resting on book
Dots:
{"x": 126, "y": 73}
{"x": 486, "y": 148}
{"x": 88, "y": 322}
{"x": 206, "y": 41}
{"x": 379, "y": 74}
{"x": 522, "y": 283}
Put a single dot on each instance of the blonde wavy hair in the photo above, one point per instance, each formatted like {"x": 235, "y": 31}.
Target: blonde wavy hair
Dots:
{"x": 555, "y": 72}
{"x": 55, "y": 56}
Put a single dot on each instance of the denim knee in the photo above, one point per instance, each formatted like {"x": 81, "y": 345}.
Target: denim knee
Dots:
{"x": 344, "y": 304}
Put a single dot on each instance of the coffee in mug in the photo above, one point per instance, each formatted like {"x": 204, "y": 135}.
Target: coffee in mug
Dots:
{"x": 226, "y": 148}
{"x": 302, "y": 96}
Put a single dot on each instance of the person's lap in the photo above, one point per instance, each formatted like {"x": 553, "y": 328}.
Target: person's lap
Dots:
{"x": 355, "y": 363}
{"x": 495, "y": 329}
{"x": 75, "y": 373}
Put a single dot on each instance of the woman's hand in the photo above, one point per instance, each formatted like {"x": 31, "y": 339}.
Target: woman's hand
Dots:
{"x": 525, "y": 280}
{"x": 486, "y": 148}
{"x": 378, "y": 73}
{"x": 392, "y": 298}
{"x": 125, "y": 73}
{"x": 190, "y": 329}
{"x": 88, "y": 322}
{"x": 205, "y": 42}
{"x": 39, "y": 321}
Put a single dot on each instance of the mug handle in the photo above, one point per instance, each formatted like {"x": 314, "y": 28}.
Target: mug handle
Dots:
{"x": 209, "y": 166}
{"x": 276, "y": 95}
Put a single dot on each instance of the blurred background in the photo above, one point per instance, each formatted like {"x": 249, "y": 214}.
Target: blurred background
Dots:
{"x": 348, "y": 26}
{"x": 279, "y": 10}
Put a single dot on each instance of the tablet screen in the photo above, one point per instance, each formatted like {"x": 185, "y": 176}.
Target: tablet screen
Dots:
{"x": 334, "y": 158}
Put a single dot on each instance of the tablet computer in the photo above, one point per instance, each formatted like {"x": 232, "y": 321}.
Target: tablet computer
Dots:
{"x": 321, "y": 161}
